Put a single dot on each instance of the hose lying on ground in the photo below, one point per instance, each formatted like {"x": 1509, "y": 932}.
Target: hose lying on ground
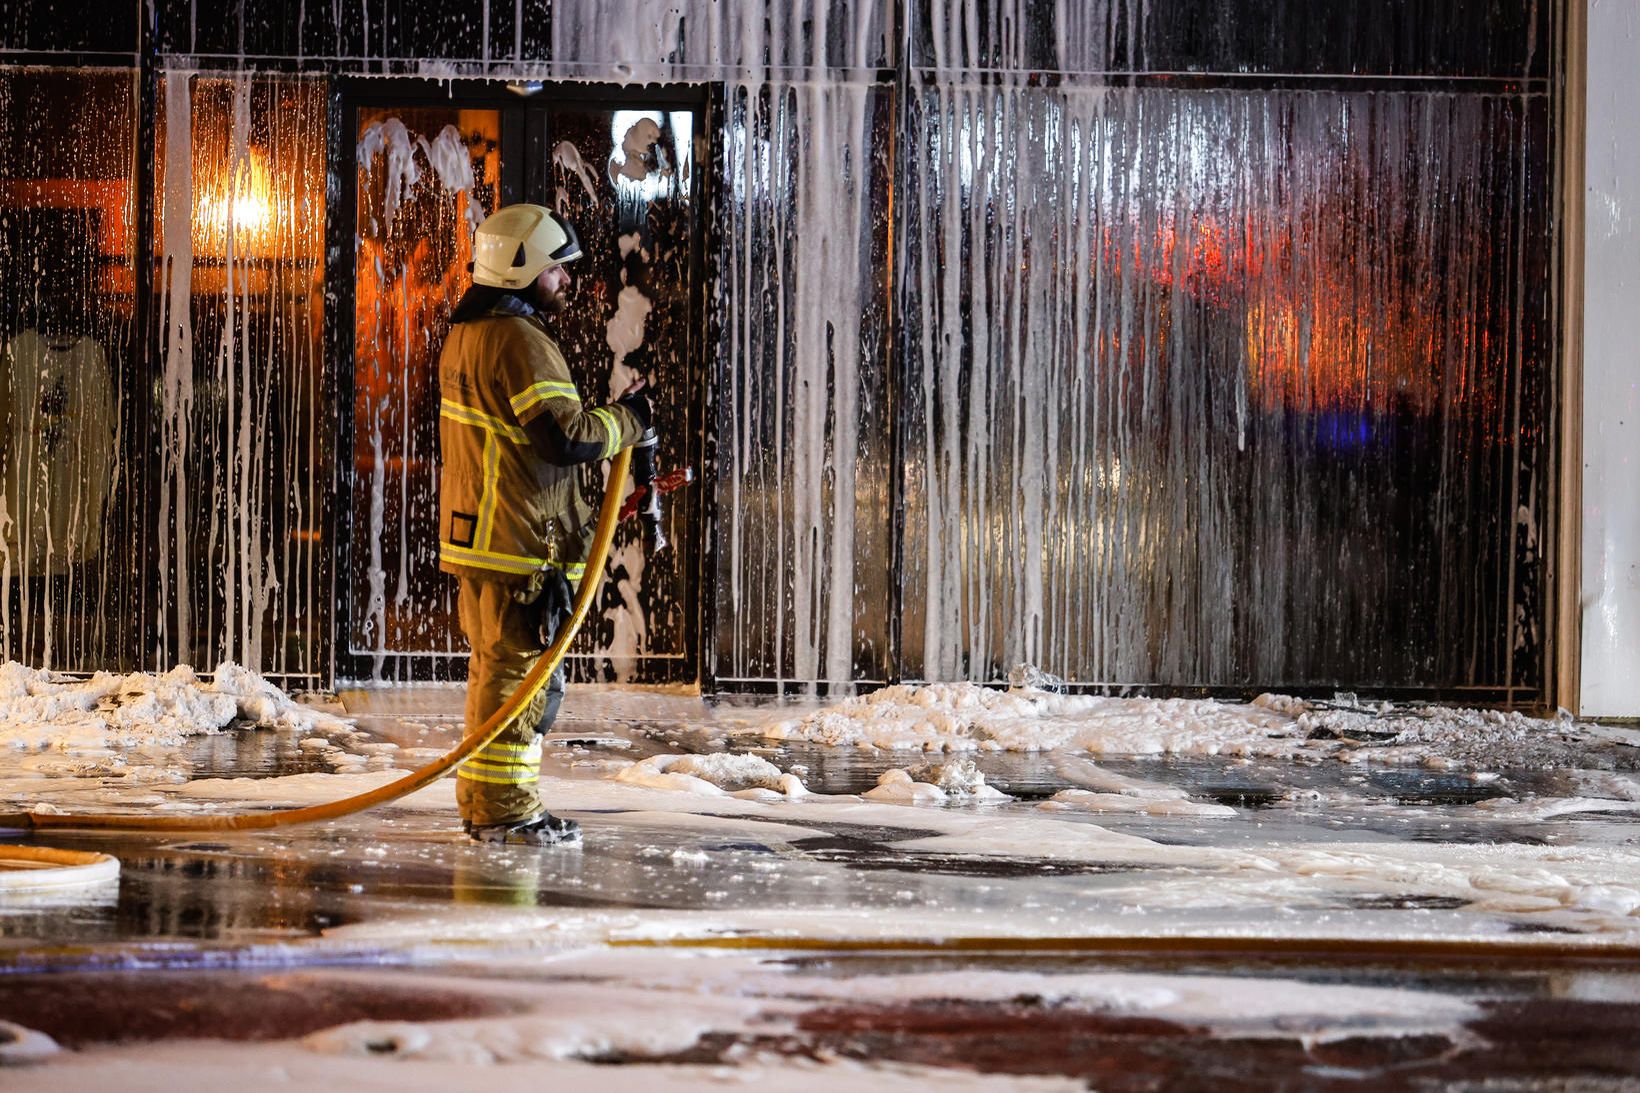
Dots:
{"x": 608, "y": 518}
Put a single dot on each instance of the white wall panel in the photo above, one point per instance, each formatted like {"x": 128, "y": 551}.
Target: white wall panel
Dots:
{"x": 1611, "y": 384}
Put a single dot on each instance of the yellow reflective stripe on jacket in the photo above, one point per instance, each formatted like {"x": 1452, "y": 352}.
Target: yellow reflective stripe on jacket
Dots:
{"x": 541, "y": 392}
{"x": 488, "y": 559}
{"x": 612, "y": 430}
{"x": 487, "y": 495}
{"x": 575, "y": 572}
{"x": 455, "y": 411}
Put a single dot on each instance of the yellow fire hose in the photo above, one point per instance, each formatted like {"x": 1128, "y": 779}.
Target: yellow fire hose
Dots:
{"x": 608, "y": 518}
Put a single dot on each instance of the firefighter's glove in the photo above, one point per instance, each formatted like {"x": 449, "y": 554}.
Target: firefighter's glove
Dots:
{"x": 643, "y": 458}
{"x": 552, "y": 608}
{"x": 641, "y": 408}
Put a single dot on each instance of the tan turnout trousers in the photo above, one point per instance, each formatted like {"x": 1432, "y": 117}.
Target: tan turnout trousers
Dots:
{"x": 498, "y": 784}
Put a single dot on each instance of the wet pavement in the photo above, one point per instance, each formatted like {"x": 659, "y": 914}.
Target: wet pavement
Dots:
{"x": 1528, "y": 1025}
{"x": 268, "y": 937}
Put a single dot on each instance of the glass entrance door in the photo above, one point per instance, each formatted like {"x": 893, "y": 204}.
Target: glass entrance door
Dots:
{"x": 426, "y": 177}
{"x": 624, "y": 170}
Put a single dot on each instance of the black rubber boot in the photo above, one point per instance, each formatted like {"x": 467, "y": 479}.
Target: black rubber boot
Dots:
{"x": 543, "y": 830}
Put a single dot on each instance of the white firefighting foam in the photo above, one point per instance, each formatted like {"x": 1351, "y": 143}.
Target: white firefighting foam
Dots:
{"x": 747, "y": 776}
{"x": 956, "y": 717}
{"x": 44, "y": 710}
{"x": 968, "y": 717}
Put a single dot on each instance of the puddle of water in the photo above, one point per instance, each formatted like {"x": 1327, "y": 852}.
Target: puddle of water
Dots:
{"x": 81, "y": 1009}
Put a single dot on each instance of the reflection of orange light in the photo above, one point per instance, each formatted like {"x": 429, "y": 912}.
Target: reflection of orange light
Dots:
{"x": 242, "y": 205}
{"x": 1321, "y": 355}
{"x": 1209, "y": 265}
{"x": 1313, "y": 343}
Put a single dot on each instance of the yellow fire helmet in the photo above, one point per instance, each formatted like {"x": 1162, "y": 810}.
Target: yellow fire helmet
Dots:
{"x": 514, "y": 244}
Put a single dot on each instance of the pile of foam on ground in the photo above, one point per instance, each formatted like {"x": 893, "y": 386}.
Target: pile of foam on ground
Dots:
{"x": 1598, "y": 791}
{"x": 738, "y": 775}
{"x": 19, "y": 1045}
{"x": 1102, "y": 790}
{"x": 1436, "y": 736}
{"x": 1176, "y": 803}
{"x": 956, "y": 782}
{"x": 968, "y": 717}
{"x": 957, "y": 717}
{"x": 45, "y": 710}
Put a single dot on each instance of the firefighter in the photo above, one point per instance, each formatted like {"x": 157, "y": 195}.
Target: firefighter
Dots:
{"x": 513, "y": 526}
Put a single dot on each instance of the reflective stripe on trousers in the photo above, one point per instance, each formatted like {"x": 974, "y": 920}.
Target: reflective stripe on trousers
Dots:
{"x": 504, "y": 764}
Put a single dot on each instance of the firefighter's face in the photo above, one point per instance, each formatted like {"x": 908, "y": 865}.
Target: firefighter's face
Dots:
{"x": 552, "y": 289}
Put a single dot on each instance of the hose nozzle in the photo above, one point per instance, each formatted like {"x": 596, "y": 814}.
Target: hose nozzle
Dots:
{"x": 648, "y": 497}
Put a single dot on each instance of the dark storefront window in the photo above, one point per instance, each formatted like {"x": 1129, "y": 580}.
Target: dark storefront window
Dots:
{"x": 68, "y": 582}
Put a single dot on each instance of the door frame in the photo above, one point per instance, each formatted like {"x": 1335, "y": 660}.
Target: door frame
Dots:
{"x": 524, "y": 109}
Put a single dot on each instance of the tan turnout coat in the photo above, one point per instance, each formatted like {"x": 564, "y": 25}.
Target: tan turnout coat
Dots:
{"x": 505, "y": 508}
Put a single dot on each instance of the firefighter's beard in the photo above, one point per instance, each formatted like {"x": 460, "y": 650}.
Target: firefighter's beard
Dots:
{"x": 549, "y": 303}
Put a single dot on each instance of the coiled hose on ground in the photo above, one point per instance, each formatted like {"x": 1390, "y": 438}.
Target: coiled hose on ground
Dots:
{"x": 608, "y": 519}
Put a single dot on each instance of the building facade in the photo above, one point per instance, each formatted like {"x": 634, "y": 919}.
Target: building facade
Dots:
{"x": 1169, "y": 345}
